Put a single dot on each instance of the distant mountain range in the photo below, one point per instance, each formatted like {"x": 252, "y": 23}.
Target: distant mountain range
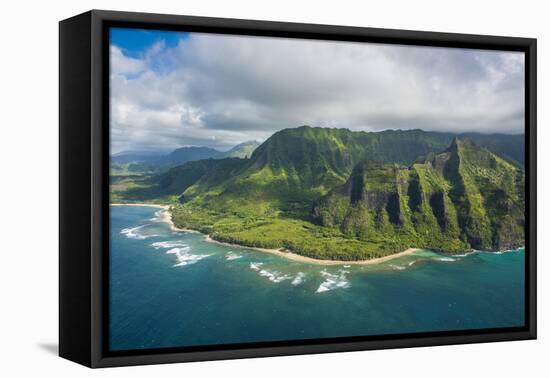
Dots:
{"x": 125, "y": 157}
{"x": 154, "y": 160}
{"x": 339, "y": 194}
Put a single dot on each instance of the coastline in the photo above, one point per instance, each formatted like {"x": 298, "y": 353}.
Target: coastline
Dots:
{"x": 166, "y": 217}
{"x": 165, "y": 207}
{"x": 304, "y": 259}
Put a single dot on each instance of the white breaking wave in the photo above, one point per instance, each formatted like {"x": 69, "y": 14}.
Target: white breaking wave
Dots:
{"x": 448, "y": 259}
{"x": 231, "y": 256}
{"x": 298, "y": 279}
{"x": 168, "y": 244}
{"x": 157, "y": 216}
{"x": 333, "y": 281}
{"x": 133, "y": 233}
{"x": 495, "y": 252}
{"x": 505, "y": 251}
{"x": 184, "y": 257}
{"x": 466, "y": 253}
{"x": 412, "y": 263}
{"x": 397, "y": 267}
{"x": 256, "y": 266}
{"x": 274, "y": 276}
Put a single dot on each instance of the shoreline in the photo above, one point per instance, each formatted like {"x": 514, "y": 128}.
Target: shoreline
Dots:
{"x": 167, "y": 218}
{"x": 304, "y": 259}
{"x": 165, "y": 207}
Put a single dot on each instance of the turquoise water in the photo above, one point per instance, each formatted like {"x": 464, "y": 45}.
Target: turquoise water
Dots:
{"x": 171, "y": 289}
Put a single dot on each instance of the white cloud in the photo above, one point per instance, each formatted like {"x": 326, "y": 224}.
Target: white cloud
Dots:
{"x": 124, "y": 65}
{"x": 221, "y": 90}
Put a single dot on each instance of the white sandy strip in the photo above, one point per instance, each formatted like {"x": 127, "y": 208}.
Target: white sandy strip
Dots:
{"x": 167, "y": 217}
{"x": 295, "y": 257}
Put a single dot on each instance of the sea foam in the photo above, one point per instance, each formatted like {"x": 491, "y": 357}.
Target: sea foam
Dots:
{"x": 446, "y": 259}
{"x": 256, "y": 266}
{"x": 333, "y": 281}
{"x": 134, "y": 233}
{"x": 168, "y": 244}
{"x": 505, "y": 251}
{"x": 184, "y": 257}
{"x": 272, "y": 275}
{"x": 397, "y": 267}
{"x": 157, "y": 216}
{"x": 231, "y": 256}
{"x": 298, "y": 279}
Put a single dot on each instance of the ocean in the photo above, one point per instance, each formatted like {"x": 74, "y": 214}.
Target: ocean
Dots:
{"x": 173, "y": 289}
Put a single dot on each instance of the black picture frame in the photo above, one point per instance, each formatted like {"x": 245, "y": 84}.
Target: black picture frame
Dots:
{"x": 84, "y": 193}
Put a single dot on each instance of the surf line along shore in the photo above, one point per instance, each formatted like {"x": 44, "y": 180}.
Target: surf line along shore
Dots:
{"x": 166, "y": 217}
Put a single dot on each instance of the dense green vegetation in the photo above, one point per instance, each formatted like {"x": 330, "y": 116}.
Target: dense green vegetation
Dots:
{"x": 256, "y": 227}
{"x": 338, "y": 194}
{"x": 170, "y": 185}
{"x": 465, "y": 197}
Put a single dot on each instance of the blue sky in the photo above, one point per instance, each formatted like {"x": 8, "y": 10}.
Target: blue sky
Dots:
{"x": 135, "y": 42}
{"x": 174, "y": 89}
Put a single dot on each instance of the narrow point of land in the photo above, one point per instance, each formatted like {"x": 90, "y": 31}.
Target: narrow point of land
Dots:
{"x": 296, "y": 257}
{"x": 166, "y": 217}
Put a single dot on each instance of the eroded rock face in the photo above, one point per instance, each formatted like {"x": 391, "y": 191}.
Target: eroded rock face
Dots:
{"x": 393, "y": 207}
{"x": 439, "y": 208}
{"x": 416, "y": 196}
{"x": 357, "y": 191}
{"x": 440, "y": 160}
{"x": 377, "y": 199}
{"x": 465, "y": 197}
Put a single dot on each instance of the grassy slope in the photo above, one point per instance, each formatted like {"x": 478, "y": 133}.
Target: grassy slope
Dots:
{"x": 266, "y": 201}
{"x": 465, "y": 197}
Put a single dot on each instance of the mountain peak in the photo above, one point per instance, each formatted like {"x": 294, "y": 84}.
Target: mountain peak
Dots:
{"x": 466, "y": 196}
{"x": 243, "y": 150}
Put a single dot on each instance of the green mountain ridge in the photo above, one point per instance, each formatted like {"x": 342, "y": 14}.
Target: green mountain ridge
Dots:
{"x": 296, "y": 166}
{"x": 135, "y": 162}
{"x": 184, "y": 154}
{"x": 465, "y": 197}
{"x": 176, "y": 180}
{"x": 242, "y": 150}
{"x": 339, "y": 194}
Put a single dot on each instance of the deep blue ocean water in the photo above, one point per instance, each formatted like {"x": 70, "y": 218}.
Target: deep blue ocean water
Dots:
{"x": 171, "y": 289}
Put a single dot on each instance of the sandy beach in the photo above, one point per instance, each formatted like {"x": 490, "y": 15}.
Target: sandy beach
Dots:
{"x": 167, "y": 217}
{"x": 295, "y": 257}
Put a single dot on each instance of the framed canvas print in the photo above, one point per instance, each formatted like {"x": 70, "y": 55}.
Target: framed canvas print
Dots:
{"x": 234, "y": 188}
